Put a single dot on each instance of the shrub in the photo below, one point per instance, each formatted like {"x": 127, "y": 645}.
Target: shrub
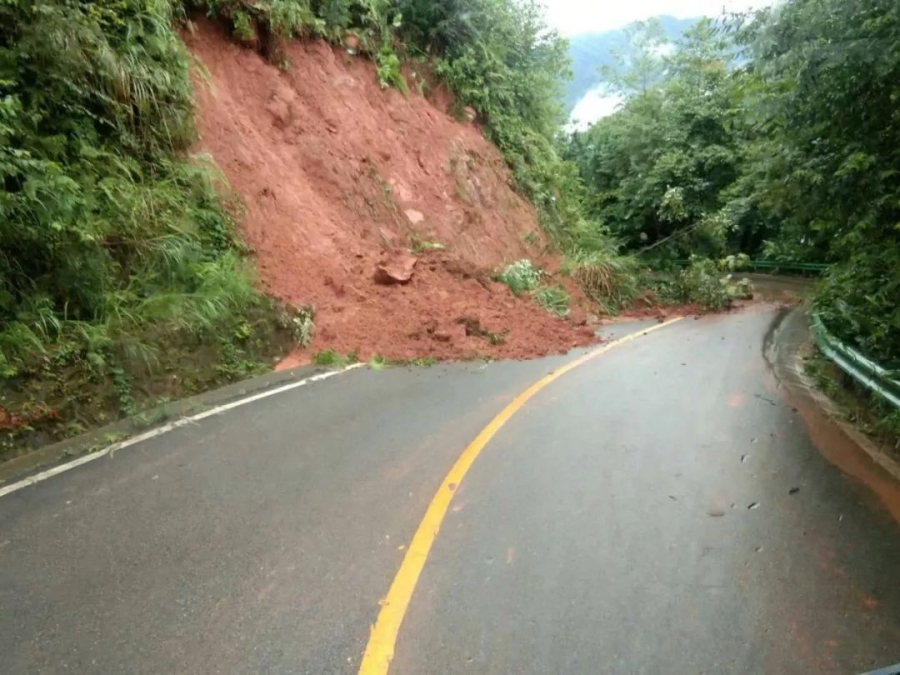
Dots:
{"x": 700, "y": 283}
{"x": 741, "y": 290}
{"x": 326, "y": 357}
{"x": 108, "y": 228}
{"x": 119, "y": 258}
{"x": 304, "y": 326}
{"x": 611, "y": 280}
{"x": 387, "y": 65}
{"x": 735, "y": 263}
{"x": 703, "y": 283}
{"x": 521, "y": 276}
{"x": 554, "y": 299}
{"x": 858, "y": 301}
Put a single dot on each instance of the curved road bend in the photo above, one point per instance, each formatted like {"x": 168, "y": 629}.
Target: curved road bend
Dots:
{"x": 658, "y": 509}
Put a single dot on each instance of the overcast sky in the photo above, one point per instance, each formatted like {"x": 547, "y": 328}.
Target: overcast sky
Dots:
{"x": 585, "y": 16}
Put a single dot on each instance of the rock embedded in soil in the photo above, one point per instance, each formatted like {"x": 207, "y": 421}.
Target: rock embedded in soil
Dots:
{"x": 577, "y": 316}
{"x": 397, "y": 269}
{"x": 413, "y": 216}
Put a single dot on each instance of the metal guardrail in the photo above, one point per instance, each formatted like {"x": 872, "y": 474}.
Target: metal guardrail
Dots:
{"x": 788, "y": 267}
{"x": 775, "y": 266}
{"x": 865, "y": 371}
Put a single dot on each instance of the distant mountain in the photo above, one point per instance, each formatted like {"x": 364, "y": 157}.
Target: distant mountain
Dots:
{"x": 590, "y": 51}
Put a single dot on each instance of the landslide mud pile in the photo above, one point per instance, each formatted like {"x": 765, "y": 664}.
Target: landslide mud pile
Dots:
{"x": 376, "y": 208}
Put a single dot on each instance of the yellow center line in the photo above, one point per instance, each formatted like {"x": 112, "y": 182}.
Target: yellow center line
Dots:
{"x": 383, "y": 638}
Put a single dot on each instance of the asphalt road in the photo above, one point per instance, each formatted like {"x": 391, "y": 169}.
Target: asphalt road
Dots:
{"x": 658, "y": 509}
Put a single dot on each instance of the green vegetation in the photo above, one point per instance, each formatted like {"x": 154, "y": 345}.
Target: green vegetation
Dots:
{"x": 303, "y": 326}
{"x": 108, "y": 227}
{"x": 521, "y": 276}
{"x": 593, "y": 54}
{"x": 611, "y": 280}
{"x": 773, "y": 135}
{"x": 856, "y": 404}
{"x": 554, "y": 299}
{"x": 657, "y": 170}
{"x": 119, "y": 253}
{"x": 703, "y": 283}
{"x": 329, "y": 357}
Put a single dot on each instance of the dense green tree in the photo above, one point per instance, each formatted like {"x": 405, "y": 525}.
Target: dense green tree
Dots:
{"x": 823, "y": 86}
{"x": 639, "y": 65}
{"x": 776, "y": 135}
{"x": 657, "y": 167}
{"x": 105, "y": 226}
{"x": 593, "y": 53}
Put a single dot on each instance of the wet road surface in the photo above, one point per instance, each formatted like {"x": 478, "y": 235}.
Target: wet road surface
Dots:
{"x": 659, "y": 508}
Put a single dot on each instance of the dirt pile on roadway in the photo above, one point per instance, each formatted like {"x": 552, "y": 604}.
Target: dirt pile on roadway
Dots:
{"x": 342, "y": 181}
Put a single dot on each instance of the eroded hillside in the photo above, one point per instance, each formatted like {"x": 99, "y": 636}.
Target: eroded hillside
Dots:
{"x": 339, "y": 177}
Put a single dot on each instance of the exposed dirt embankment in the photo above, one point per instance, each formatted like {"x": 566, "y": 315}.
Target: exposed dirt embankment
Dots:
{"x": 339, "y": 177}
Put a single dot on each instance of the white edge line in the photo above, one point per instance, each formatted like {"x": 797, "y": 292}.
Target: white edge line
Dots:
{"x": 159, "y": 431}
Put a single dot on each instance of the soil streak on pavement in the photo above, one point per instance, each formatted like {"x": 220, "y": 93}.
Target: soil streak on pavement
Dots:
{"x": 658, "y": 509}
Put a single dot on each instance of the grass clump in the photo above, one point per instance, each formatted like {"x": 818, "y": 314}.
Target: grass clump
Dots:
{"x": 875, "y": 416}
{"x": 521, "y": 276}
{"x": 326, "y": 357}
{"x": 609, "y": 279}
{"x": 418, "y": 246}
{"x": 554, "y": 299}
{"x": 329, "y": 357}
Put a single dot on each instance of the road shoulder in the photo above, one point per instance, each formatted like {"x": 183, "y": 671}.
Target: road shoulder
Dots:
{"x": 840, "y": 442}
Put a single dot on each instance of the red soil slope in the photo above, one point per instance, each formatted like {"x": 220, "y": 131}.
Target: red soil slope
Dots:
{"x": 338, "y": 176}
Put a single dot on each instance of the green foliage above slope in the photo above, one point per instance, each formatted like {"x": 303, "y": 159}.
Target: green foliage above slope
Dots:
{"x": 113, "y": 239}
{"x": 659, "y": 166}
